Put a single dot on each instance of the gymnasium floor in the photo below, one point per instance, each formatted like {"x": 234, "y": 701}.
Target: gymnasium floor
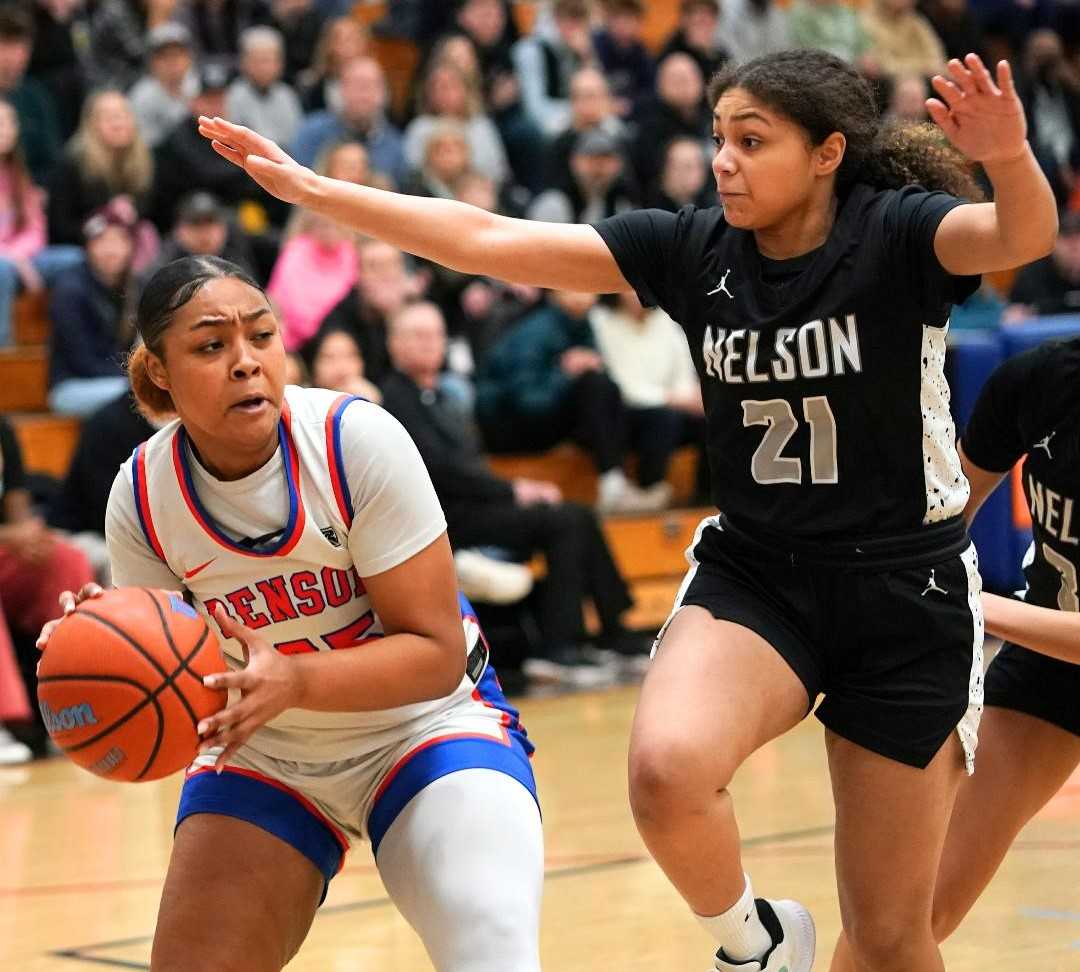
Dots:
{"x": 81, "y": 862}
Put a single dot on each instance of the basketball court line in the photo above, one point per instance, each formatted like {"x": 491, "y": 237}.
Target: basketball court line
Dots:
{"x": 86, "y": 953}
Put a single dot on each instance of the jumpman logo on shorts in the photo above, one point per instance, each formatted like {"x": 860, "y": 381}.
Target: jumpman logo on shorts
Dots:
{"x": 722, "y": 288}
{"x": 1044, "y": 444}
{"x": 932, "y": 585}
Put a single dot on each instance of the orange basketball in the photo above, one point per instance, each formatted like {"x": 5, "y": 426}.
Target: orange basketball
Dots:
{"x": 120, "y": 683}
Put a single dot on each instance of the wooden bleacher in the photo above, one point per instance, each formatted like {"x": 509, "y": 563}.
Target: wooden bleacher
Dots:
{"x": 47, "y": 441}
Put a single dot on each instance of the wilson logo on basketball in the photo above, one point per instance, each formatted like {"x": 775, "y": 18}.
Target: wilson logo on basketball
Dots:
{"x": 73, "y": 717}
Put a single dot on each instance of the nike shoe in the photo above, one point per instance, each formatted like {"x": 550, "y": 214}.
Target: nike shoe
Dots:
{"x": 794, "y": 940}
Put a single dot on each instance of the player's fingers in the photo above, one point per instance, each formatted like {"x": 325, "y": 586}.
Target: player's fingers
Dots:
{"x": 942, "y": 116}
{"x": 949, "y": 92}
{"x": 46, "y": 632}
{"x": 228, "y": 152}
{"x": 88, "y": 591}
{"x": 983, "y": 82}
{"x": 67, "y": 601}
{"x": 1005, "y": 79}
{"x": 961, "y": 76}
{"x": 224, "y": 681}
{"x": 231, "y": 628}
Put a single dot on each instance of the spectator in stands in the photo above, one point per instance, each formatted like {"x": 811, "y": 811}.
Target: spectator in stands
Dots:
{"x": 259, "y": 98}
{"x": 957, "y": 26}
{"x": 591, "y": 107}
{"x": 316, "y": 267}
{"x": 685, "y": 179}
{"x": 36, "y": 563}
{"x": 203, "y": 228}
{"x": 1050, "y": 285}
{"x": 1049, "y": 87}
{"x": 525, "y": 516}
{"x": 160, "y": 97}
{"x": 544, "y": 382}
{"x": 105, "y": 160}
{"x": 830, "y": 25}
{"x": 647, "y": 356}
{"x": 446, "y": 157}
{"x": 597, "y": 188}
{"x": 90, "y": 332}
{"x": 902, "y": 40}
{"x": 362, "y": 118}
{"x": 697, "y": 35}
{"x": 56, "y": 60}
{"x": 546, "y": 64}
{"x": 217, "y": 26}
{"x": 678, "y": 108}
{"x": 38, "y": 114}
{"x": 334, "y": 360}
{"x": 25, "y": 260}
{"x": 751, "y": 28}
{"x": 299, "y": 23}
{"x": 118, "y": 38}
{"x": 385, "y": 285}
{"x": 187, "y": 161}
{"x": 106, "y": 441}
{"x": 907, "y": 102}
{"x": 622, "y": 54}
{"x": 342, "y": 40}
{"x": 447, "y": 94}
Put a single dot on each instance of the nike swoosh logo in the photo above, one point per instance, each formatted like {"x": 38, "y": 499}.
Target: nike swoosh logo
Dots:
{"x": 196, "y": 570}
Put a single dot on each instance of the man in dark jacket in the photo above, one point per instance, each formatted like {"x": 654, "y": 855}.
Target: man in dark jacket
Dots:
{"x": 522, "y": 515}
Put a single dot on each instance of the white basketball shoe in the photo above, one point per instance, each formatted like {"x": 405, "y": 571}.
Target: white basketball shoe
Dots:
{"x": 794, "y": 940}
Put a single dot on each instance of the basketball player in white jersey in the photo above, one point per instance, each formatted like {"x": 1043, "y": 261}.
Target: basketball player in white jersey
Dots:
{"x": 306, "y": 525}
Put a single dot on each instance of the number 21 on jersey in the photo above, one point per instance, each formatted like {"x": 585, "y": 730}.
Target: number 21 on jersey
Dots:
{"x": 768, "y": 466}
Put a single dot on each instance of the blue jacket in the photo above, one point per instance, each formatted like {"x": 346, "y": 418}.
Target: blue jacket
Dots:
{"x": 324, "y": 128}
{"x": 522, "y": 374}
{"x": 85, "y": 317}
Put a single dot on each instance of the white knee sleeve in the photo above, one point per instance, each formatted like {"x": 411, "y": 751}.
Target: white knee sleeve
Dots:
{"x": 464, "y": 863}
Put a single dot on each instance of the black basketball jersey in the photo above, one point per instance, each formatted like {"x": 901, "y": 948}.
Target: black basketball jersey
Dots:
{"x": 823, "y": 376}
{"x": 1031, "y": 404}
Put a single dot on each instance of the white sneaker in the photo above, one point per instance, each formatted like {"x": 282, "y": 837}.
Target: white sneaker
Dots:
{"x": 794, "y": 940}
{"x": 491, "y": 581}
{"x": 570, "y": 666}
{"x": 616, "y": 494}
{"x": 12, "y": 751}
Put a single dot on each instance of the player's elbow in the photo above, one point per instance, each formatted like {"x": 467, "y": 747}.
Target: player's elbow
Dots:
{"x": 450, "y": 667}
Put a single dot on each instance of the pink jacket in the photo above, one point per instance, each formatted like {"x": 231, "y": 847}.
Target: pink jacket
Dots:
{"x": 20, "y": 244}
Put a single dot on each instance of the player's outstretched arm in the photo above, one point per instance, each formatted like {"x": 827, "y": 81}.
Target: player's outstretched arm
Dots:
{"x": 459, "y": 236}
{"x": 1045, "y": 630}
{"x": 983, "y": 117}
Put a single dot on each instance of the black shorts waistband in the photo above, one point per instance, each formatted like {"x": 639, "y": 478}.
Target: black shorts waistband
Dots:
{"x": 929, "y": 544}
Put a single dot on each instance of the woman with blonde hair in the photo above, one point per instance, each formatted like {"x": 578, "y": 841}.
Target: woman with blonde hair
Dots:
{"x": 343, "y": 39}
{"x": 106, "y": 158}
{"x": 449, "y": 93}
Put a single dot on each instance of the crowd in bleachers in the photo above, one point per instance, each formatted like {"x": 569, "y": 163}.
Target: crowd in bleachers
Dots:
{"x": 562, "y": 111}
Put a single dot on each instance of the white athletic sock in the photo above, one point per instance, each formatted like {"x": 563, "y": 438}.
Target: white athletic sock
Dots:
{"x": 739, "y": 930}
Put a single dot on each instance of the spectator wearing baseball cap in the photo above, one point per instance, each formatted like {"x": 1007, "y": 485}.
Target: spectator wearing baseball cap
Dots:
{"x": 89, "y": 330}
{"x": 597, "y": 187}
{"x": 187, "y": 161}
{"x": 203, "y": 228}
{"x": 160, "y": 97}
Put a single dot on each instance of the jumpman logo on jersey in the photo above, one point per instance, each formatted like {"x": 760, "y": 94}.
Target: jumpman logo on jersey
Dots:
{"x": 932, "y": 585}
{"x": 1044, "y": 444}
{"x": 722, "y": 287}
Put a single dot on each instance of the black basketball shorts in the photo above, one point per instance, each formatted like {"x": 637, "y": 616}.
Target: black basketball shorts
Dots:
{"x": 1037, "y": 685}
{"x": 891, "y": 638}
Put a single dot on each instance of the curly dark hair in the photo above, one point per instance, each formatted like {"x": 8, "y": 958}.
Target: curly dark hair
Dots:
{"x": 823, "y": 94}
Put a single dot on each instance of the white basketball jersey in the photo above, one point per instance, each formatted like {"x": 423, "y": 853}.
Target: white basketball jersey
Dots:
{"x": 299, "y": 589}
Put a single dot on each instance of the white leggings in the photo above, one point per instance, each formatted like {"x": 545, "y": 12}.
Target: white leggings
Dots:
{"x": 464, "y": 863}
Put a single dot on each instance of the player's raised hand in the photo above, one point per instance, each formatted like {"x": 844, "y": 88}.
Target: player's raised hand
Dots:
{"x": 267, "y": 687}
{"x": 984, "y": 119}
{"x": 259, "y": 157}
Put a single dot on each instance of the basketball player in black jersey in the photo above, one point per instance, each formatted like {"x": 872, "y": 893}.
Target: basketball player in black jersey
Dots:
{"x": 815, "y": 300}
{"x": 1030, "y": 736}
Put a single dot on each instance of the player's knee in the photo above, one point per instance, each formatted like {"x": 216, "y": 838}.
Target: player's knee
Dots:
{"x": 889, "y": 939}
{"x": 669, "y": 778}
